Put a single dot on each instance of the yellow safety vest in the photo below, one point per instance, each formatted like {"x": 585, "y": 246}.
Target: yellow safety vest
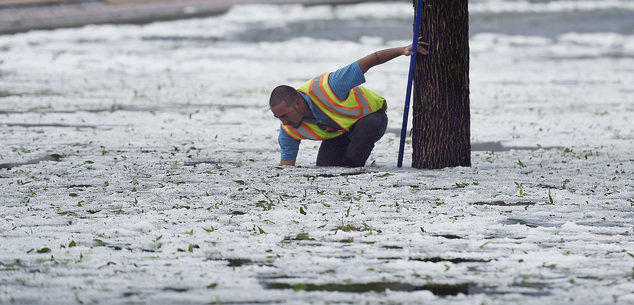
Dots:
{"x": 360, "y": 102}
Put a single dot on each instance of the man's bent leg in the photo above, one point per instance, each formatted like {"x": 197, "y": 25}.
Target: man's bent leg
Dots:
{"x": 363, "y": 134}
{"x": 332, "y": 152}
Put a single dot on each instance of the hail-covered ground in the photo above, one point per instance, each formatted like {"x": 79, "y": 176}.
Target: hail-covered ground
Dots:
{"x": 138, "y": 164}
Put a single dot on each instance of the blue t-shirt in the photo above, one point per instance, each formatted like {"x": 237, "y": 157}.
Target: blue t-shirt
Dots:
{"x": 341, "y": 82}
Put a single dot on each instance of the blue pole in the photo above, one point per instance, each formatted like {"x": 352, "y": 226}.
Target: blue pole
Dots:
{"x": 410, "y": 78}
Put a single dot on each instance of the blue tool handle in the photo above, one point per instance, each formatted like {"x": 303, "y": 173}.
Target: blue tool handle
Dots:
{"x": 410, "y": 78}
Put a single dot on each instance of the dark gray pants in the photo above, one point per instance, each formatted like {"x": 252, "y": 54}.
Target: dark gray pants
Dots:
{"x": 353, "y": 148}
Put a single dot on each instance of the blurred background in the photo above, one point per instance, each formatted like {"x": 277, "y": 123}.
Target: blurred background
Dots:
{"x": 24, "y": 15}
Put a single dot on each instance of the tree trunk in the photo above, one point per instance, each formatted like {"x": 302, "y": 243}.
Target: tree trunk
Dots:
{"x": 441, "y": 121}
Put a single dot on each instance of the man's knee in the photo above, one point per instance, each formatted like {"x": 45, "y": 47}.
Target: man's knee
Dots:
{"x": 332, "y": 150}
{"x": 356, "y": 162}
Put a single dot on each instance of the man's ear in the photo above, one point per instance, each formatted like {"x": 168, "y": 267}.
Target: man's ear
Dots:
{"x": 298, "y": 102}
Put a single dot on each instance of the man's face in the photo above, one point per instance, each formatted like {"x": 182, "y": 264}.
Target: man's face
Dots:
{"x": 288, "y": 114}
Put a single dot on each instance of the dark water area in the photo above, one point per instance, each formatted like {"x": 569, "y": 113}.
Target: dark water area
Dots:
{"x": 553, "y": 24}
{"x": 544, "y": 24}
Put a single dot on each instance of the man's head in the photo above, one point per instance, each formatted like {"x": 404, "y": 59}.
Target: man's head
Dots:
{"x": 287, "y": 105}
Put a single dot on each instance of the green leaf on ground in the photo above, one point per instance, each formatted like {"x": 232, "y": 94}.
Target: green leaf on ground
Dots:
{"x": 299, "y": 287}
{"x": 100, "y": 243}
{"x": 44, "y": 250}
{"x": 550, "y": 198}
{"x": 57, "y": 157}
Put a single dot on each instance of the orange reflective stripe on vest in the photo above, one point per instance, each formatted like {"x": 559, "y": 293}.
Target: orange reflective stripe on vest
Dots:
{"x": 325, "y": 98}
{"x": 310, "y": 131}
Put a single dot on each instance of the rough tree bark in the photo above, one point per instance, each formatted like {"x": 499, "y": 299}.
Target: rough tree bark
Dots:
{"x": 441, "y": 121}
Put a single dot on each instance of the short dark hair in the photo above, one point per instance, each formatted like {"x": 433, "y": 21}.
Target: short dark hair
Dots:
{"x": 282, "y": 93}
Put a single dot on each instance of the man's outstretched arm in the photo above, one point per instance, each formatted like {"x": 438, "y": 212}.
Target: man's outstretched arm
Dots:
{"x": 386, "y": 55}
